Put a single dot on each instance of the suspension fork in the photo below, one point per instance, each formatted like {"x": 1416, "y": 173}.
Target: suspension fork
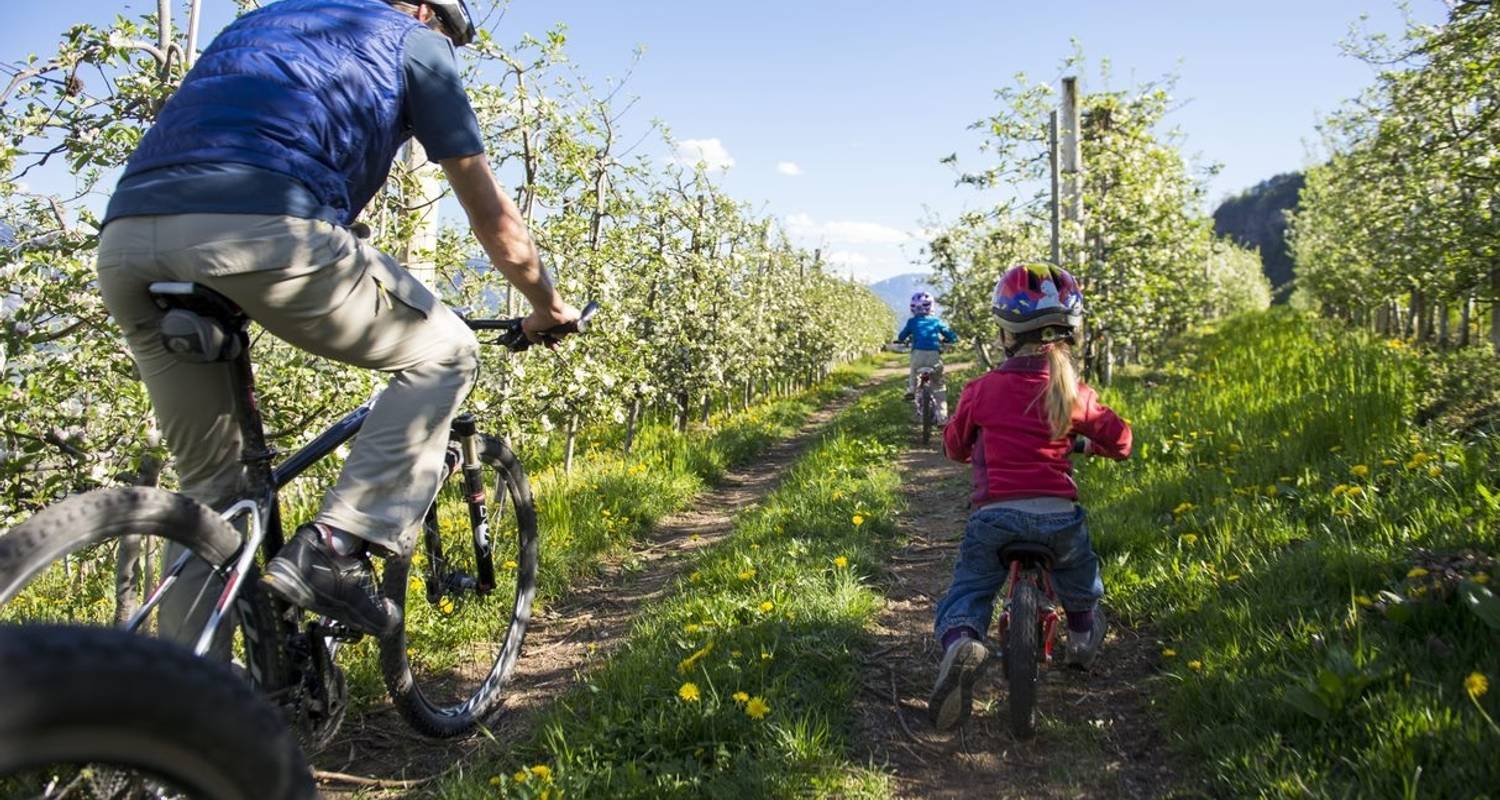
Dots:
{"x": 475, "y": 495}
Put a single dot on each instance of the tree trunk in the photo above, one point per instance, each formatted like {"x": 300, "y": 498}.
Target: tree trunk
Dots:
{"x": 572, "y": 433}
{"x": 1414, "y": 317}
{"x": 130, "y": 566}
{"x": 1442, "y": 319}
{"x": 983, "y": 354}
{"x": 1107, "y": 362}
{"x": 708, "y": 405}
{"x": 631, "y": 419}
{"x": 1466, "y": 318}
{"x": 1495, "y": 310}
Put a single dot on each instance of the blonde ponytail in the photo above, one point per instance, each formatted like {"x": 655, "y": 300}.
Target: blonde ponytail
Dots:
{"x": 1062, "y": 389}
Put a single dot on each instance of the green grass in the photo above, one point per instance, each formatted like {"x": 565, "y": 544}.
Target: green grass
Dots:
{"x": 1275, "y": 527}
{"x": 595, "y": 512}
{"x": 771, "y": 620}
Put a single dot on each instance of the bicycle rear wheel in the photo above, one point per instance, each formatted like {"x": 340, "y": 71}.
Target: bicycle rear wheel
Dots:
{"x": 447, "y": 669}
{"x": 62, "y": 566}
{"x": 1021, "y": 643}
{"x": 929, "y": 414}
{"x": 94, "y": 712}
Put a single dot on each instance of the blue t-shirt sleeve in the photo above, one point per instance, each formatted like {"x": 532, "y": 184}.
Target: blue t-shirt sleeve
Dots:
{"x": 906, "y": 330}
{"x": 948, "y": 334}
{"x": 437, "y": 106}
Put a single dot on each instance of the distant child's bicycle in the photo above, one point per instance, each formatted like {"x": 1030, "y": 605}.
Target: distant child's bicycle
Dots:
{"x": 464, "y": 620}
{"x": 926, "y": 399}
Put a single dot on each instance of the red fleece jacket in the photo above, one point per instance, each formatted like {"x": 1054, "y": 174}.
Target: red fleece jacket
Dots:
{"x": 1001, "y": 425}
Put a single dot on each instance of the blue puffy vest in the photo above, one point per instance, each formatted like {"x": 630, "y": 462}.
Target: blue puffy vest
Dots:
{"x": 306, "y": 88}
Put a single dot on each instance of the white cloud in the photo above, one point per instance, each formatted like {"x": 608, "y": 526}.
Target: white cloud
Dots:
{"x": 788, "y": 168}
{"x": 845, "y": 231}
{"x": 711, "y": 152}
{"x": 846, "y": 259}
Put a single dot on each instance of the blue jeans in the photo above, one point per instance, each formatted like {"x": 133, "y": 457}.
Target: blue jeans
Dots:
{"x": 978, "y": 576}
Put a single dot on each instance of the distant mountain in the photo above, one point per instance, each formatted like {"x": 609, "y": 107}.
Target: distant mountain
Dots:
{"x": 897, "y": 292}
{"x": 1257, "y": 218}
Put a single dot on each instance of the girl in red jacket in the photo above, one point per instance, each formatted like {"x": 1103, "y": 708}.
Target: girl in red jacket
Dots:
{"x": 1016, "y": 425}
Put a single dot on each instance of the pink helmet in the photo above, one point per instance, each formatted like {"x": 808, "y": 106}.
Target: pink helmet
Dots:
{"x": 1033, "y": 296}
{"x": 921, "y": 303}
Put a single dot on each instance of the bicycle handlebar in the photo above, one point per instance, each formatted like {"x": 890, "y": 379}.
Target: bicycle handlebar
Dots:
{"x": 514, "y": 338}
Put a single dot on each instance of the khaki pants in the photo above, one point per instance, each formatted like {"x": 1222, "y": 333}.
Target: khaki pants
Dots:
{"x": 933, "y": 359}
{"x": 321, "y": 289}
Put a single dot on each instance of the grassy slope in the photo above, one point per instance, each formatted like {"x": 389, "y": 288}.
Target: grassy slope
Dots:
{"x": 1237, "y": 531}
{"x": 773, "y": 615}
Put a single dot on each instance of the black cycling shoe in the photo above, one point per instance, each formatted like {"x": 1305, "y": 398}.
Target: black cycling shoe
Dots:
{"x": 308, "y": 574}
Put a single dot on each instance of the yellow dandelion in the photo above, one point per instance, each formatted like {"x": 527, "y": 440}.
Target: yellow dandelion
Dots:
{"x": 838, "y": 494}
{"x": 542, "y": 771}
{"x": 494, "y": 780}
{"x": 520, "y": 776}
{"x": 445, "y": 605}
{"x": 1340, "y": 490}
{"x": 511, "y": 564}
{"x": 1476, "y": 685}
{"x": 746, "y": 575}
{"x": 1363, "y": 601}
{"x": 765, "y": 608}
{"x": 757, "y": 708}
{"x": 1271, "y": 490}
{"x": 1417, "y": 572}
{"x": 687, "y": 664}
{"x": 1355, "y": 491}
{"x": 765, "y": 656}
{"x": 1359, "y": 470}
{"x": 414, "y": 585}
{"x": 741, "y": 697}
{"x": 1434, "y": 470}
{"x": 689, "y": 692}
{"x": 695, "y": 577}
{"x": 691, "y": 628}
{"x": 840, "y": 562}
{"x": 1183, "y": 508}
{"x": 1190, "y": 538}
{"x": 1481, "y": 579}
{"x": 1168, "y": 653}
{"x": 858, "y": 520}
{"x": 1195, "y": 665}
{"x": 1234, "y": 447}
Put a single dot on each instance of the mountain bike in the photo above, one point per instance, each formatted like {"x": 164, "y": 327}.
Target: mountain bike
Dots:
{"x": 184, "y": 726}
{"x": 926, "y": 400}
{"x": 444, "y": 669}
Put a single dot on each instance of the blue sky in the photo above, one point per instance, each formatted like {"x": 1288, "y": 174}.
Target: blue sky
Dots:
{"x": 865, "y": 97}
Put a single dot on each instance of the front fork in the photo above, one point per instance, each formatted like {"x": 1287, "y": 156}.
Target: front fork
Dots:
{"x": 441, "y": 579}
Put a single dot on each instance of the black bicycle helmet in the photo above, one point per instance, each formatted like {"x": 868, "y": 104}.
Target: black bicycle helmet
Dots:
{"x": 455, "y": 17}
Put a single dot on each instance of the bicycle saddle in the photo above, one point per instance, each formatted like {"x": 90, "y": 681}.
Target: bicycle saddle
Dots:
{"x": 1027, "y": 553}
{"x": 200, "y": 325}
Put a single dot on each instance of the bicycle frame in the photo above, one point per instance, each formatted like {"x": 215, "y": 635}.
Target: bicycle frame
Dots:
{"x": 1041, "y": 577}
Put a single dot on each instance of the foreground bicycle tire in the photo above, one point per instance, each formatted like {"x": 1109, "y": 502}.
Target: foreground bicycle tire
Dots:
{"x": 102, "y": 515}
{"x": 105, "y": 699}
{"x": 1021, "y": 658}
{"x": 417, "y": 703}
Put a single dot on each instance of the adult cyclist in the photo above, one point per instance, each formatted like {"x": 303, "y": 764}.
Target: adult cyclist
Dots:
{"x": 927, "y": 335}
{"x": 248, "y": 183}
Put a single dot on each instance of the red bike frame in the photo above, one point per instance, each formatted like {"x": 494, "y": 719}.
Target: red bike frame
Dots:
{"x": 1050, "y": 617}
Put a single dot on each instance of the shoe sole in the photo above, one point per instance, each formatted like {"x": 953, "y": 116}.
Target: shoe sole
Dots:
{"x": 951, "y": 700}
{"x": 288, "y": 584}
{"x": 1093, "y": 652}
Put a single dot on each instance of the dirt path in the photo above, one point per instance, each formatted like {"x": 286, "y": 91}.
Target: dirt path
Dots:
{"x": 1097, "y": 735}
{"x": 568, "y": 636}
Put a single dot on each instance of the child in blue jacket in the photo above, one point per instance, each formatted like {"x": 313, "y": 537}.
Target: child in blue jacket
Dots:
{"x": 927, "y": 335}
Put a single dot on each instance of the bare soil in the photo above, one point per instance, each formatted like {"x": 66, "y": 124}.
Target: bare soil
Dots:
{"x": 1097, "y": 733}
{"x": 376, "y": 755}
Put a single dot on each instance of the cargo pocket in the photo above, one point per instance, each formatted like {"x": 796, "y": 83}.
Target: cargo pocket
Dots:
{"x": 395, "y": 286}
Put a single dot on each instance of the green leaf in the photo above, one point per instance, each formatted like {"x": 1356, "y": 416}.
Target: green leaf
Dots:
{"x": 1482, "y": 602}
{"x": 1304, "y": 700}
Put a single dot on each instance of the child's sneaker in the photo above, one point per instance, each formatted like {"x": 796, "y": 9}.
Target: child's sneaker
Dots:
{"x": 1083, "y": 647}
{"x": 951, "y": 697}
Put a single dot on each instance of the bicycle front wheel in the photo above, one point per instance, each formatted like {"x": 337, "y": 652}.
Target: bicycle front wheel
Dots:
{"x": 1021, "y": 643}
{"x": 447, "y": 669}
{"x": 100, "y": 713}
{"x": 929, "y": 414}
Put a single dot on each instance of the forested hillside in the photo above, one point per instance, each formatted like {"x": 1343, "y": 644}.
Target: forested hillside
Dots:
{"x": 1257, "y": 218}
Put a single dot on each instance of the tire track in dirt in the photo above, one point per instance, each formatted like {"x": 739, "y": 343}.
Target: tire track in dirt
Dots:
{"x": 570, "y": 635}
{"x": 1098, "y": 735}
